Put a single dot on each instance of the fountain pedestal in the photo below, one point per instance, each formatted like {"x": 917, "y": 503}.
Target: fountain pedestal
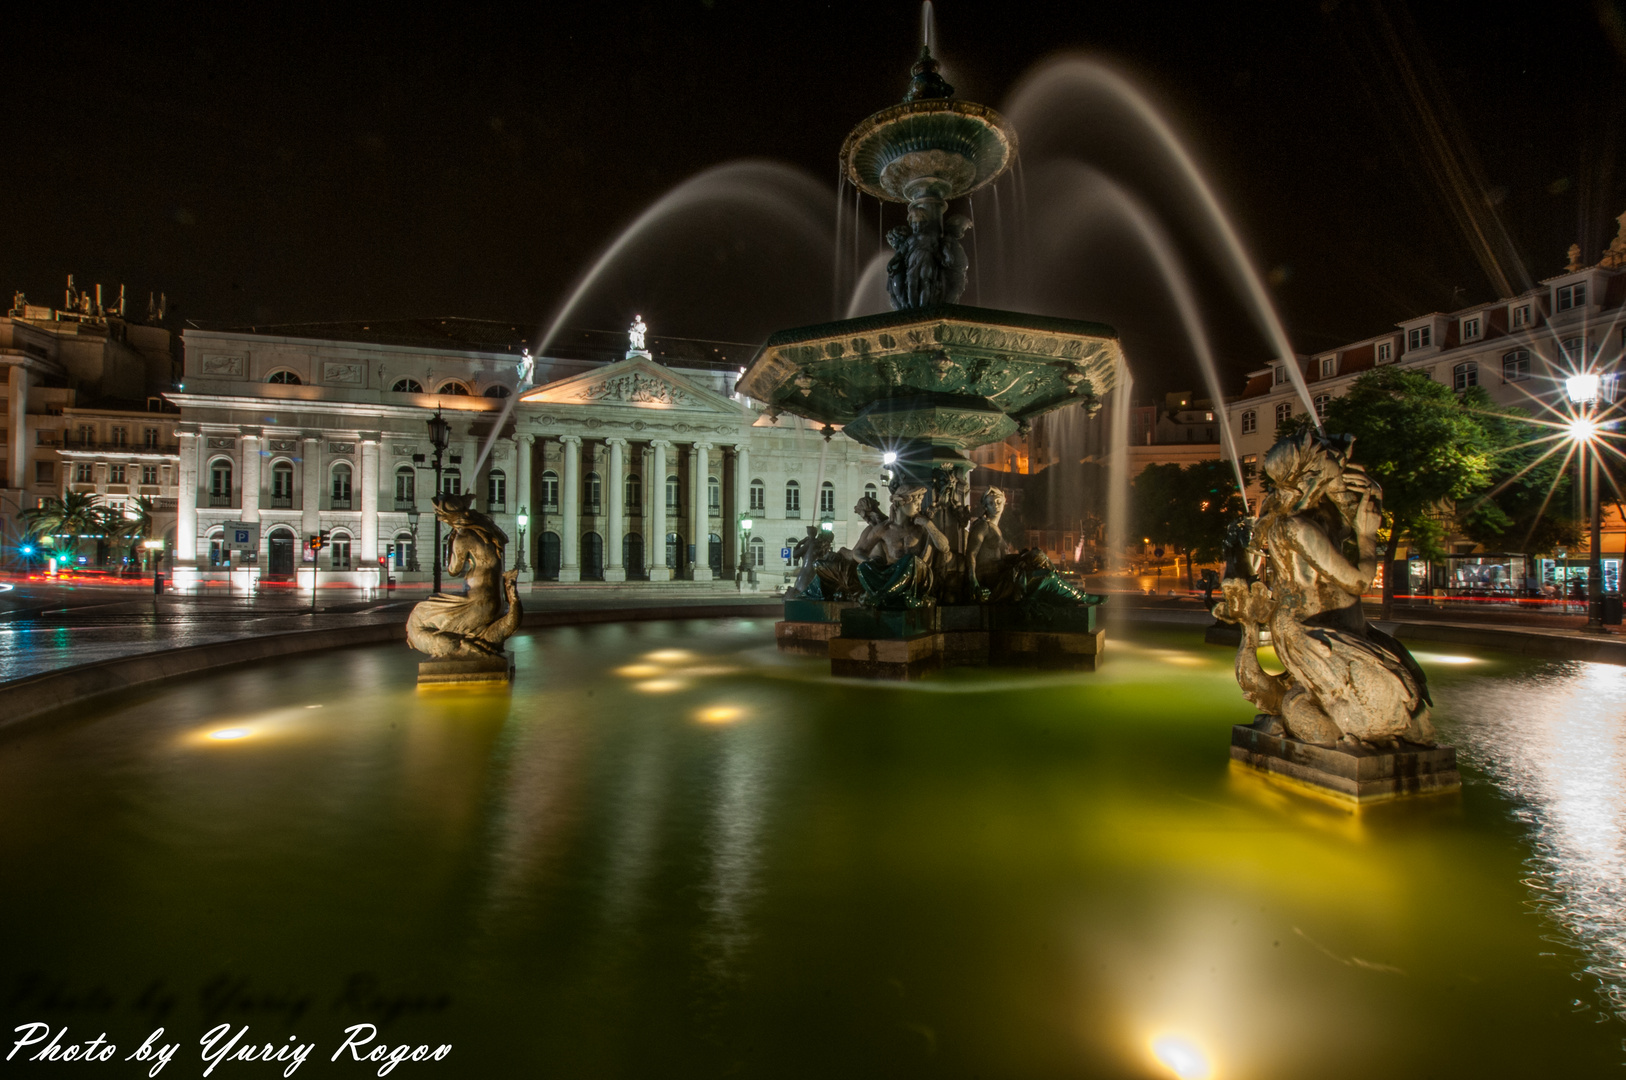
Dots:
{"x": 1351, "y": 774}
{"x": 908, "y": 644}
{"x": 494, "y": 669}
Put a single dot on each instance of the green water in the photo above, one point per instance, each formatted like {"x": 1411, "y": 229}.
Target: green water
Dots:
{"x": 673, "y": 853}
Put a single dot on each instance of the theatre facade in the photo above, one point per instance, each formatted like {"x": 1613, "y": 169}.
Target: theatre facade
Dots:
{"x": 615, "y": 464}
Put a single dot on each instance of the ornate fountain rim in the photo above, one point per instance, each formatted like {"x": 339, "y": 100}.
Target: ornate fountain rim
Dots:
{"x": 865, "y": 134}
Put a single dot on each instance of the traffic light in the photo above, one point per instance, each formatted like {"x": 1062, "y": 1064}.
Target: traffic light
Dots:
{"x": 389, "y": 551}
{"x": 325, "y": 536}
{"x": 317, "y": 542}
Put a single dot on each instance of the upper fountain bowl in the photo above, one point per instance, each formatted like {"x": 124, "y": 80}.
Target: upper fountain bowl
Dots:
{"x": 929, "y": 146}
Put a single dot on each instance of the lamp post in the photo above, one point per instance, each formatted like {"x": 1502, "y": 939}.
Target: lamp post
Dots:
{"x": 412, "y": 553}
{"x": 440, "y": 434}
{"x": 747, "y": 565}
{"x": 523, "y": 520}
{"x": 1583, "y": 391}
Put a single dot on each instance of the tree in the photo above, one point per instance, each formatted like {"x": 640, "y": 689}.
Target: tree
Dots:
{"x": 132, "y": 523}
{"x": 67, "y": 519}
{"x": 1187, "y": 509}
{"x": 1423, "y": 445}
{"x": 1528, "y": 507}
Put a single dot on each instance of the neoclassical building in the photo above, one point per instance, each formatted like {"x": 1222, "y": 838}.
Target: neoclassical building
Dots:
{"x": 630, "y": 465}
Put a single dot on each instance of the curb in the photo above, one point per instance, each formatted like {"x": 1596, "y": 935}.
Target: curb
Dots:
{"x": 1546, "y": 646}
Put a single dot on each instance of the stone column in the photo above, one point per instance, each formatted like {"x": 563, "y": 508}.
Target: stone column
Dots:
{"x": 186, "y": 499}
{"x": 614, "y": 570}
{"x": 570, "y": 568}
{"x": 310, "y": 497}
{"x": 702, "y": 513}
{"x": 370, "y": 483}
{"x": 523, "y": 444}
{"x": 742, "y": 501}
{"x": 18, "y": 379}
{"x": 251, "y": 476}
{"x": 656, "y": 541}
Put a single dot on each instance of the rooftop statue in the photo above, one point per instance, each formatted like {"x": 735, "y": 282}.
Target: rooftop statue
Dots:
{"x": 471, "y": 627}
{"x": 1346, "y": 681}
{"x": 635, "y": 334}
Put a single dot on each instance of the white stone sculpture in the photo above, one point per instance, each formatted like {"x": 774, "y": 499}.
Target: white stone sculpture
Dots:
{"x": 1346, "y": 681}
{"x": 635, "y": 334}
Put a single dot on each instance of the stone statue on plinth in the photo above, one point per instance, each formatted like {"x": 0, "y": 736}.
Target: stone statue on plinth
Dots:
{"x": 1348, "y": 687}
{"x": 910, "y": 548}
{"x": 470, "y": 629}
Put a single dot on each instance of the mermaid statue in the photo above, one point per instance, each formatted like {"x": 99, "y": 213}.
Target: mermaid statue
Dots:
{"x": 1317, "y": 533}
{"x": 473, "y": 626}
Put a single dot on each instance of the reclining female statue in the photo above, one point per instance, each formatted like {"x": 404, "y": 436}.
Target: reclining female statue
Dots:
{"x": 471, "y": 627}
{"x": 1318, "y": 531}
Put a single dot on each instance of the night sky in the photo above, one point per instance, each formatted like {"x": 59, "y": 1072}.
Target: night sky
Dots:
{"x": 264, "y": 166}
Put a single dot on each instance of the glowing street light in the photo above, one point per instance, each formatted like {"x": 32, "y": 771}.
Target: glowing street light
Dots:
{"x": 1584, "y": 390}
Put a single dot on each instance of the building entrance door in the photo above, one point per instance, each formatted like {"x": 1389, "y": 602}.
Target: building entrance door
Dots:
{"x": 281, "y": 564}
{"x": 547, "y": 559}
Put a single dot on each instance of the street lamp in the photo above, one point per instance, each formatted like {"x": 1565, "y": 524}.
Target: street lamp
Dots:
{"x": 523, "y": 520}
{"x": 440, "y": 434}
{"x": 412, "y": 552}
{"x": 1583, "y": 391}
{"x": 747, "y": 565}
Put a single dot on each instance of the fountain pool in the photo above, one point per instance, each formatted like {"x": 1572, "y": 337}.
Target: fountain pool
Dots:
{"x": 672, "y": 851}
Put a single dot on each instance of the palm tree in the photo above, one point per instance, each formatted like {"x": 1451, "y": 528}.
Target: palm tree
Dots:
{"x": 131, "y": 522}
{"x": 65, "y": 520}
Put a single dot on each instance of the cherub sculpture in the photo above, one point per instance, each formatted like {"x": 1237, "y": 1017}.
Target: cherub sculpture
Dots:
{"x": 930, "y": 265}
{"x": 471, "y": 627}
{"x": 1318, "y": 533}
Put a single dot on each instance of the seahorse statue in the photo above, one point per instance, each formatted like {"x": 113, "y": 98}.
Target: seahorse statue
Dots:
{"x": 471, "y": 627}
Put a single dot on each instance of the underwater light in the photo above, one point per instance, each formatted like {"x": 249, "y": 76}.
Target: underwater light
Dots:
{"x": 1182, "y": 1058}
{"x": 669, "y": 656}
{"x": 720, "y": 714}
{"x": 227, "y": 734}
{"x": 658, "y": 686}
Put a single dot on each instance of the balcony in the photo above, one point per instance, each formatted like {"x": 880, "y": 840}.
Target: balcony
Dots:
{"x": 282, "y": 502}
{"x": 339, "y": 504}
{"x": 403, "y": 506}
{"x": 217, "y": 500}
{"x": 118, "y": 449}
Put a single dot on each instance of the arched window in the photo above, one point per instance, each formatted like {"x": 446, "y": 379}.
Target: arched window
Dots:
{"x": 1321, "y": 401}
{"x": 1250, "y": 422}
{"x": 406, "y": 488}
{"x": 496, "y": 490}
{"x": 218, "y": 555}
{"x": 1465, "y": 375}
{"x": 454, "y": 388}
{"x": 498, "y": 391}
{"x": 827, "y": 498}
{"x": 674, "y": 551}
{"x": 632, "y": 556}
{"x": 550, "y": 490}
{"x": 871, "y": 492}
{"x": 592, "y": 493}
{"x": 341, "y": 487}
{"x": 793, "y": 499}
{"x": 280, "y": 547}
{"x": 759, "y": 552}
{"x": 407, "y": 386}
{"x": 403, "y": 550}
{"x": 339, "y": 550}
{"x": 1574, "y": 349}
{"x": 282, "y": 485}
{"x": 1516, "y": 366}
{"x": 547, "y": 556}
{"x": 714, "y": 497}
{"x": 759, "y": 496}
{"x": 635, "y": 498}
{"x": 451, "y": 482}
{"x": 284, "y": 376}
{"x": 592, "y": 557}
{"x": 1284, "y": 412}
{"x": 220, "y": 490}
{"x": 674, "y": 496}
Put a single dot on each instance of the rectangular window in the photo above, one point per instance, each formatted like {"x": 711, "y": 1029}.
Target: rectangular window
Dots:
{"x": 149, "y": 474}
{"x": 1470, "y": 329}
{"x": 1280, "y": 375}
{"x": 115, "y": 474}
{"x": 793, "y": 500}
{"x": 1420, "y": 337}
{"x": 149, "y": 436}
{"x": 120, "y": 436}
{"x": 341, "y": 552}
{"x": 451, "y": 483}
{"x": 673, "y": 491}
{"x": 87, "y": 435}
{"x": 1250, "y": 422}
{"x": 43, "y": 472}
{"x": 497, "y": 489}
{"x": 1386, "y": 352}
{"x": 1572, "y": 296}
{"x": 1516, "y": 366}
{"x": 714, "y": 497}
{"x": 1521, "y": 315}
{"x": 759, "y": 497}
{"x": 1329, "y": 366}
{"x": 82, "y": 473}
{"x": 827, "y": 500}
{"x": 550, "y": 491}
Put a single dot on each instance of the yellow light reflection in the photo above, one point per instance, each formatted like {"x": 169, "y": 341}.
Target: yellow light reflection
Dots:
{"x": 1181, "y": 1057}
{"x": 669, "y": 656}
{"x": 1441, "y": 658}
{"x": 720, "y": 714}
{"x": 638, "y": 671}
{"x": 227, "y": 734}
{"x": 659, "y": 686}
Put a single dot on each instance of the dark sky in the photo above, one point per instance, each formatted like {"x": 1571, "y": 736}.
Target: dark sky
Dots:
{"x": 267, "y": 165}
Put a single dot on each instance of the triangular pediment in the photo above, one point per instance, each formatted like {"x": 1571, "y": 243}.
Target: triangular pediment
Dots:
{"x": 634, "y": 383}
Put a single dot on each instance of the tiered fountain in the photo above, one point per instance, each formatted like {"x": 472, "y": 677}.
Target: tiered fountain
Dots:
{"x": 931, "y": 581}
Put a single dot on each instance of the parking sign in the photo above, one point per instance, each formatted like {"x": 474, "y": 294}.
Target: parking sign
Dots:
{"x": 784, "y": 553}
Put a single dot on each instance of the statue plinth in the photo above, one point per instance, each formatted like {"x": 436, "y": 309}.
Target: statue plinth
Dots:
{"x": 487, "y": 669}
{"x": 1347, "y": 773}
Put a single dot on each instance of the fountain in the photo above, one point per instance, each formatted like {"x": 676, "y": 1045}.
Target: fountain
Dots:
{"x": 924, "y": 384}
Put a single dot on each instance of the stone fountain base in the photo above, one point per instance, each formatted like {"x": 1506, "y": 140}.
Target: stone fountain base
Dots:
{"x": 496, "y": 669}
{"x": 907, "y": 644}
{"x": 1349, "y": 774}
